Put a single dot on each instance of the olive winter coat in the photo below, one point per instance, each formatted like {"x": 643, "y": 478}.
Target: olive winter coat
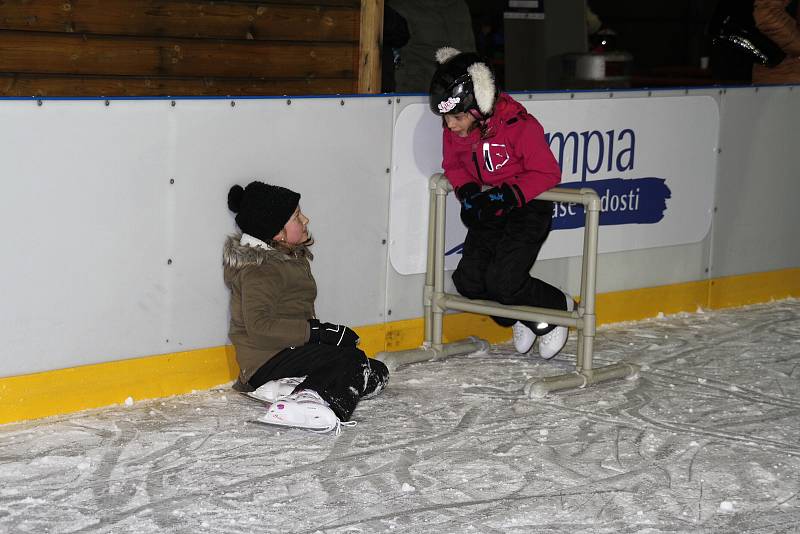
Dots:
{"x": 272, "y": 299}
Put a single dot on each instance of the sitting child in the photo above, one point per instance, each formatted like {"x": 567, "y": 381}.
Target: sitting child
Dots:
{"x": 311, "y": 372}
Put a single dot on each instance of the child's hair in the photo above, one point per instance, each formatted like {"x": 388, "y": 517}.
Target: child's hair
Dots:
{"x": 484, "y": 126}
{"x": 480, "y": 123}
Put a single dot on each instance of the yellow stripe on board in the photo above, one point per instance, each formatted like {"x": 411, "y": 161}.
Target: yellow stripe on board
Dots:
{"x": 94, "y": 386}
{"x": 635, "y": 304}
{"x": 754, "y": 288}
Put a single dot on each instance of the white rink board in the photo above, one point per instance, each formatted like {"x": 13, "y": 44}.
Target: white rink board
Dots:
{"x": 89, "y": 218}
{"x": 756, "y": 227}
{"x": 82, "y": 221}
{"x": 113, "y": 217}
{"x": 666, "y": 138}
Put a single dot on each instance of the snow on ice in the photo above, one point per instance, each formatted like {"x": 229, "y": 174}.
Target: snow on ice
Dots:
{"x": 706, "y": 440}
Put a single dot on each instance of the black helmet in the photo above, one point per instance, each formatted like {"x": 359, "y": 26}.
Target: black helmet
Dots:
{"x": 461, "y": 82}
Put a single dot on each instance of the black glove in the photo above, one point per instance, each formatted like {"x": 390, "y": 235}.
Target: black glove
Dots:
{"x": 332, "y": 334}
{"x": 469, "y": 209}
{"x": 498, "y": 201}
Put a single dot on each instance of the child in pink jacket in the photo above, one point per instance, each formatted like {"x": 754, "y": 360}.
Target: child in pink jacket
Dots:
{"x": 496, "y": 158}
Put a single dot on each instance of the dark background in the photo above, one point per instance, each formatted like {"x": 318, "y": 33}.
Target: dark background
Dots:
{"x": 666, "y": 39}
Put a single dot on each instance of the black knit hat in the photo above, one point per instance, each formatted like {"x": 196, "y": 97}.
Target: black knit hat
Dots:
{"x": 262, "y": 209}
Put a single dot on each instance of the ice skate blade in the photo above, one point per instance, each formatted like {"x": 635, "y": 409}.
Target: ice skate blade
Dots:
{"x": 250, "y": 396}
{"x": 318, "y": 430}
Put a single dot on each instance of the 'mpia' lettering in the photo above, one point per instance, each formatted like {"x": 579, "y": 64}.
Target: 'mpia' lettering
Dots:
{"x": 594, "y": 152}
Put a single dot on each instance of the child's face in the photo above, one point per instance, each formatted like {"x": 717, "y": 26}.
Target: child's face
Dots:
{"x": 459, "y": 123}
{"x": 295, "y": 231}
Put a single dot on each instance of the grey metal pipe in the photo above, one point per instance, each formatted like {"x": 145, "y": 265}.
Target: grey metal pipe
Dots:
{"x": 589, "y": 278}
{"x": 438, "y": 274}
{"x": 402, "y": 357}
{"x": 539, "y": 387}
{"x": 436, "y": 301}
{"x": 428, "y": 289}
{"x": 525, "y": 313}
{"x": 427, "y": 299}
{"x": 577, "y": 196}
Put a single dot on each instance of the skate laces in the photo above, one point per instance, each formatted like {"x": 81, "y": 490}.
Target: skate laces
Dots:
{"x": 307, "y": 395}
{"x": 292, "y": 380}
{"x": 277, "y": 389}
{"x": 311, "y": 396}
{"x": 335, "y": 427}
{"x": 548, "y": 337}
{"x": 558, "y": 331}
{"x": 518, "y": 330}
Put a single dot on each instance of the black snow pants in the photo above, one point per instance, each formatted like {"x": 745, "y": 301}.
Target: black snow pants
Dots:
{"x": 341, "y": 375}
{"x": 498, "y": 256}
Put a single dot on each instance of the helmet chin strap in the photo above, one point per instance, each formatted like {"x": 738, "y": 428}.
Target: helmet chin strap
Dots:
{"x": 477, "y": 114}
{"x": 481, "y": 121}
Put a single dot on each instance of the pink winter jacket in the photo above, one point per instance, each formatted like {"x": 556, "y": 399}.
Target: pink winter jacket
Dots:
{"x": 514, "y": 151}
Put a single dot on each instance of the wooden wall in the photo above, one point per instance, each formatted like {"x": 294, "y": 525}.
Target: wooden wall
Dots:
{"x": 186, "y": 47}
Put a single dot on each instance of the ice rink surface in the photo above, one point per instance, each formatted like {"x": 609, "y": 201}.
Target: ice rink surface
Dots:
{"x": 706, "y": 440}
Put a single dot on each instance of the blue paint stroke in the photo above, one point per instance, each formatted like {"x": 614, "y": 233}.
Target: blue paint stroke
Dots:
{"x": 636, "y": 201}
{"x": 458, "y": 249}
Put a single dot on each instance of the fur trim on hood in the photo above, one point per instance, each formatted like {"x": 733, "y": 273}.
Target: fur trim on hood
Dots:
{"x": 238, "y": 256}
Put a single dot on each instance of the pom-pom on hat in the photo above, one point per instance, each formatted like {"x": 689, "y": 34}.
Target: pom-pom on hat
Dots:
{"x": 262, "y": 209}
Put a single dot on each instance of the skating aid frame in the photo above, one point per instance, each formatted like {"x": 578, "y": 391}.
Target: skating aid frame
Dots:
{"x": 583, "y": 319}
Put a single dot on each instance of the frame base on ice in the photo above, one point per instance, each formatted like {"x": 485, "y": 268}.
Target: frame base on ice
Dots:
{"x": 583, "y": 319}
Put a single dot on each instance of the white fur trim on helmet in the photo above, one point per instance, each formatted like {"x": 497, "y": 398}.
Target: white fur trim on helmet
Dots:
{"x": 445, "y": 53}
{"x": 483, "y": 85}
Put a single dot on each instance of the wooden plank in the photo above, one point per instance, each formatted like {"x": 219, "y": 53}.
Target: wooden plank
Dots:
{"x": 49, "y": 53}
{"x": 173, "y": 18}
{"x": 32, "y": 85}
{"x": 369, "y": 55}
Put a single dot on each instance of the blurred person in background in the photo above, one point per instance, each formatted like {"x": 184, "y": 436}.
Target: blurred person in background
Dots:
{"x": 779, "y": 20}
{"x": 432, "y": 24}
{"x": 395, "y": 37}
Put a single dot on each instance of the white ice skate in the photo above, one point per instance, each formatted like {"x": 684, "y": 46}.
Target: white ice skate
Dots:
{"x": 523, "y": 337}
{"x": 551, "y": 344}
{"x": 303, "y": 409}
{"x": 275, "y": 389}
